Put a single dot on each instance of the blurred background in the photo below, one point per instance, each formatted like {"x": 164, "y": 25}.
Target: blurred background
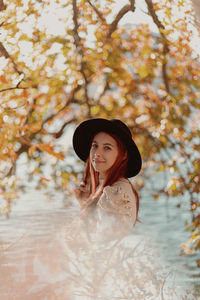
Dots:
{"x": 62, "y": 62}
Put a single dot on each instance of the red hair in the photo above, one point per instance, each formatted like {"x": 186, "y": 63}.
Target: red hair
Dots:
{"x": 117, "y": 171}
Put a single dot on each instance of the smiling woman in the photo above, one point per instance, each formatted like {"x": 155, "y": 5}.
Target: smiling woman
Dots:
{"x": 109, "y": 204}
{"x": 111, "y": 158}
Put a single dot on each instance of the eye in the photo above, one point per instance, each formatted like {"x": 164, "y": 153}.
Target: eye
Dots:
{"x": 94, "y": 146}
{"x": 107, "y": 148}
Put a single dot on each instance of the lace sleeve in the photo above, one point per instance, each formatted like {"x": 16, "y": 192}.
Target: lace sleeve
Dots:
{"x": 120, "y": 200}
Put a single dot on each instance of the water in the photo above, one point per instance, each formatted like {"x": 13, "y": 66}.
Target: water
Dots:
{"x": 27, "y": 236}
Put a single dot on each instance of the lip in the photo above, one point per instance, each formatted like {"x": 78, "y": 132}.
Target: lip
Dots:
{"x": 98, "y": 161}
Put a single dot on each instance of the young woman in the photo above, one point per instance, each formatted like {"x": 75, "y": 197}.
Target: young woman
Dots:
{"x": 102, "y": 260}
{"x": 111, "y": 158}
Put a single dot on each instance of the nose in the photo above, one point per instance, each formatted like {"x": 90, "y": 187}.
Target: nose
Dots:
{"x": 97, "y": 153}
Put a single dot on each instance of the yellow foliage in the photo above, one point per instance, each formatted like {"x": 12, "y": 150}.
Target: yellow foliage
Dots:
{"x": 95, "y": 110}
{"x": 143, "y": 71}
{"x": 161, "y": 168}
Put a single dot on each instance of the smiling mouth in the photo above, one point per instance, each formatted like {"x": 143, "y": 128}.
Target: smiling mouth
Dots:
{"x": 98, "y": 161}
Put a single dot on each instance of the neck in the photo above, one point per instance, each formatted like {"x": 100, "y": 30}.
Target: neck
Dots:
{"x": 102, "y": 176}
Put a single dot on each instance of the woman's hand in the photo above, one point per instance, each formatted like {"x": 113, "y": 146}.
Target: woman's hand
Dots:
{"x": 82, "y": 194}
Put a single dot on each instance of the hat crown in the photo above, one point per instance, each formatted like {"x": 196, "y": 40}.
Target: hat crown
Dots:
{"x": 122, "y": 126}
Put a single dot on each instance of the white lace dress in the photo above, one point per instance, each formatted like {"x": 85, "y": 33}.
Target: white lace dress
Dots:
{"x": 93, "y": 255}
{"x": 104, "y": 259}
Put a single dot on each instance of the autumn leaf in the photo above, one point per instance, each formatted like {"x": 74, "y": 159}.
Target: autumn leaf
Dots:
{"x": 35, "y": 127}
{"x": 32, "y": 150}
{"x": 41, "y": 177}
{"x": 49, "y": 149}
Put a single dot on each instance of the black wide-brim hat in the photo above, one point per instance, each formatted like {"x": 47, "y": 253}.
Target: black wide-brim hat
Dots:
{"x": 85, "y": 132}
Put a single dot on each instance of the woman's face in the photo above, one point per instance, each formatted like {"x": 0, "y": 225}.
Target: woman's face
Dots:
{"x": 103, "y": 153}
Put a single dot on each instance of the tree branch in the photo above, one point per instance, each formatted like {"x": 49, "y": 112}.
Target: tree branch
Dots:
{"x": 2, "y": 5}
{"x": 153, "y": 14}
{"x": 76, "y": 26}
{"x": 5, "y": 53}
{"x": 68, "y": 100}
{"x": 121, "y": 13}
{"x": 99, "y": 14}
{"x": 164, "y": 68}
{"x": 77, "y": 41}
{"x": 106, "y": 87}
{"x": 23, "y": 148}
{"x": 15, "y": 87}
{"x": 60, "y": 132}
{"x": 164, "y": 41}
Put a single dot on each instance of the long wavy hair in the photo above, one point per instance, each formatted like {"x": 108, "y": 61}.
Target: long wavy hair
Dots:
{"x": 118, "y": 170}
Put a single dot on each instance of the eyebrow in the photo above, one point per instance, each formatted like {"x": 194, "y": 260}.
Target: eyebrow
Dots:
{"x": 106, "y": 144}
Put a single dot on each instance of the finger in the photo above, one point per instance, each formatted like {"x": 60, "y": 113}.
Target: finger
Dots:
{"x": 83, "y": 189}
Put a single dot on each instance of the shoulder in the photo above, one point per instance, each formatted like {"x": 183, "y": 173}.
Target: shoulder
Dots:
{"x": 121, "y": 187}
{"x": 119, "y": 199}
{"x": 123, "y": 183}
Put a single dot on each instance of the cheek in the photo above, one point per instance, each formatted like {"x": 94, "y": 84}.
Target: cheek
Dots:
{"x": 113, "y": 157}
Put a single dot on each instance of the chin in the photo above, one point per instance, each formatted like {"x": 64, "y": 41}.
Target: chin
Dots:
{"x": 99, "y": 170}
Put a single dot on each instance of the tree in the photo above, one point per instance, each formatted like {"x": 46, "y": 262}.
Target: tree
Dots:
{"x": 84, "y": 64}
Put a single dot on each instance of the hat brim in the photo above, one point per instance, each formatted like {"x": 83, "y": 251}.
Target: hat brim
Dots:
{"x": 85, "y": 132}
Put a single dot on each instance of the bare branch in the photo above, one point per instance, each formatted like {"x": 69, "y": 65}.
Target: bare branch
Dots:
{"x": 60, "y": 132}
{"x": 164, "y": 68}
{"x": 106, "y": 87}
{"x": 77, "y": 41}
{"x": 99, "y": 14}
{"x": 3, "y": 51}
{"x": 132, "y": 3}
{"x": 153, "y": 14}
{"x": 15, "y": 87}
{"x": 2, "y": 5}
{"x": 23, "y": 148}
{"x": 68, "y": 100}
{"x": 164, "y": 41}
{"x": 121, "y": 13}
{"x": 76, "y": 26}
